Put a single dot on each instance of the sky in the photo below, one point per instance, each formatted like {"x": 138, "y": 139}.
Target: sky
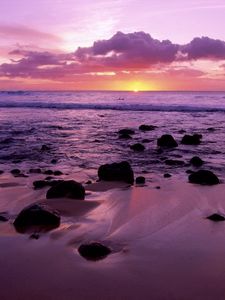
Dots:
{"x": 112, "y": 45}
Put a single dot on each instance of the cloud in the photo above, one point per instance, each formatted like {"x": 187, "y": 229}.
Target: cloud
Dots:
{"x": 131, "y": 52}
{"x": 204, "y": 47}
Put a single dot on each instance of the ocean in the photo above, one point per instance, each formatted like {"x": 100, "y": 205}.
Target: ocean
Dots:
{"x": 81, "y": 130}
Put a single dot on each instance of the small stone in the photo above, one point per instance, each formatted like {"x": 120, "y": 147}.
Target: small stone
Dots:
{"x": 35, "y": 171}
{"x": 1, "y": 172}
{"x": 145, "y": 127}
{"x": 167, "y": 175}
{"x": 48, "y": 172}
{"x": 216, "y": 217}
{"x": 140, "y": 180}
{"x": 94, "y": 251}
{"x": 174, "y": 162}
{"x": 125, "y": 136}
{"x": 15, "y": 172}
{"x": 196, "y": 161}
{"x": 126, "y": 131}
{"x": 54, "y": 161}
{"x": 137, "y": 147}
{"x": 57, "y": 173}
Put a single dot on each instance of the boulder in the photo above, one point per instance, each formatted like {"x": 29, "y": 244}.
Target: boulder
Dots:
{"x": 166, "y": 141}
{"x": 194, "y": 139}
{"x": 15, "y": 172}
{"x": 36, "y": 218}
{"x": 116, "y": 172}
{"x": 137, "y": 147}
{"x": 145, "y": 127}
{"x": 203, "y": 177}
{"x": 140, "y": 180}
{"x": 68, "y": 188}
{"x": 57, "y": 173}
{"x": 94, "y": 251}
{"x": 39, "y": 184}
{"x": 126, "y": 131}
{"x": 196, "y": 161}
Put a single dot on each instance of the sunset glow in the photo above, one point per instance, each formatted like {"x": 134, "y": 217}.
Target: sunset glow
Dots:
{"x": 68, "y": 47}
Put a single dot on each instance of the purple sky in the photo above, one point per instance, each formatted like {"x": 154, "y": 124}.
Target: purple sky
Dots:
{"x": 39, "y": 42}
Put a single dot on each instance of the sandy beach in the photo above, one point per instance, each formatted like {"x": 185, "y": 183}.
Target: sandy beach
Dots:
{"x": 163, "y": 247}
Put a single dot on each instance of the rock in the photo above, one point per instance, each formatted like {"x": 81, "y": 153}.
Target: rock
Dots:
{"x": 140, "y": 180}
{"x": 116, "y": 172}
{"x": 167, "y": 141}
{"x": 158, "y": 187}
{"x": 196, "y": 161}
{"x": 35, "y": 171}
{"x": 145, "y": 127}
{"x": 137, "y": 147}
{"x": 167, "y": 175}
{"x": 1, "y": 172}
{"x": 57, "y": 173}
{"x": 36, "y": 217}
{"x": 216, "y": 218}
{"x": 194, "y": 139}
{"x": 34, "y": 236}
{"x": 174, "y": 162}
{"x": 144, "y": 141}
{"x": 48, "y": 172}
{"x": 54, "y": 161}
{"x": 125, "y": 136}
{"x": 203, "y": 177}
{"x": 45, "y": 148}
{"x": 88, "y": 182}
{"x": 94, "y": 251}
{"x": 15, "y": 172}
{"x": 126, "y": 131}
{"x": 212, "y": 129}
{"x": 49, "y": 178}
{"x": 4, "y": 217}
{"x": 39, "y": 184}
{"x": 69, "y": 189}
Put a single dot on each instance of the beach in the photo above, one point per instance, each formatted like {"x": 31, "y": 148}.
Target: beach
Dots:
{"x": 162, "y": 244}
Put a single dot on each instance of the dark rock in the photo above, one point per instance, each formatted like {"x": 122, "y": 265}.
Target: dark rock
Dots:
{"x": 45, "y": 148}
{"x": 140, "y": 180}
{"x": 211, "y": 129}
{"x": 204, "y": 177}
{"x": 196, "y": 161}
{"x": 126, "y": 131}
{"x": 145, "y": 127}
{"x": 54, "y": 161}
{"x": 216, "y": 218}
{"x": 167, "y": 141}
{"x": 49, "y": 178}
{"x": 116, "y": 172}
{"x": 158, "y": 187}
{"x": 137, "y": 147}
{"x": 125, "y": 136}
{"x": 58, "y": 173}
{"x": 194, "y": 139}
{"x": 69, "y": 189}
{"x": 54, "y": 182}
{"x": 4, "y": 217}
{"x": 94, "y": 251}
{"x": 15, "y": 172}
{"x": 34, "y": 236}
{"x": 1, "y": 172}
{"x": 48, "y": 172}
{"x": 35, "y": 171}
{"x": 174, "y": 162}
{"x": 144, "y": 141}
{"x": 167, "y": 175}
{"x": 39, "y": 184}
{"x": 88, "y": 182}
{"x": 36, "y": 217}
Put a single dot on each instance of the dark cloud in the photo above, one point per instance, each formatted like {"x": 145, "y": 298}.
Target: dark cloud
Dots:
{"x": 204, "y": 47}
{"x": 134, "y": 51}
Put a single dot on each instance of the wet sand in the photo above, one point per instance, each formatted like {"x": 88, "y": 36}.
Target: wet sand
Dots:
{"x": 163, "y": 245}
